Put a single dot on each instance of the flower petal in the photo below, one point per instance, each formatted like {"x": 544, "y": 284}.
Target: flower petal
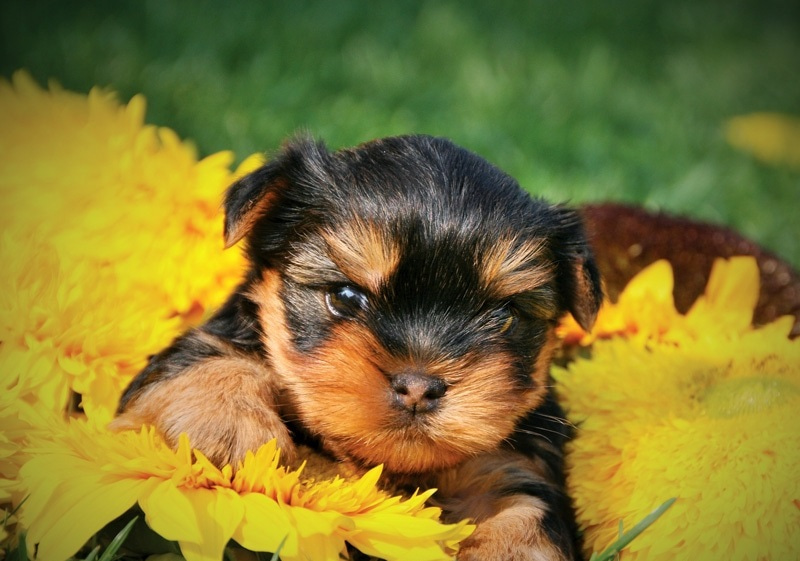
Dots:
{"x": 219, "y": 512}
{"x": 171, "y": 513}
{"x": 91, "y": 507}
{"x": 264, "y": 524}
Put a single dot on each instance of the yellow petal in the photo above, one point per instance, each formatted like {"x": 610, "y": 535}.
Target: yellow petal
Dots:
{"x": 310, "y": 523}
{"x": 400, "y": 537}
{"x": 264, "y": 524}
{"x": 317, "y": 546}
{"x": 367, "y": 482}
{"x": 654, "y": 281}
{"x": 319, "y": 535}
{"x": 90, "y": 508}
{"x": 730, "y": 296}
{"x": 219, "y": 512}
{"x": 171, "y": 513}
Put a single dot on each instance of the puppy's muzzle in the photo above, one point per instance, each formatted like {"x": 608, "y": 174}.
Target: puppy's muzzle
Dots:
{"x": 416, "y": 392}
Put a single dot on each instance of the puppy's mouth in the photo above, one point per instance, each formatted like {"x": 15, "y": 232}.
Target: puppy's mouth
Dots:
{"x": 410, "y": 446}
{"x": 413, "y": 438}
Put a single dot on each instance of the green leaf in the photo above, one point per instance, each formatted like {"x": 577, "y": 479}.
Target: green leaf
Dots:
{"x": 625, "y": 539}
{"x": 93, "y": 554}
{"x": 118, "y": 540}
{"x": 13, "y": 511}
{"x": 21, "y": 552}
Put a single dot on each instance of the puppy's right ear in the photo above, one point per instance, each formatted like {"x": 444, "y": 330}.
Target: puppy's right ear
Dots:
{"x": 301, "y": 163}
{"x": 250, "y": 198}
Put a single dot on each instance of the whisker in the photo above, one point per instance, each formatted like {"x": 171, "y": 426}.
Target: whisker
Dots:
{"x": 538, "y": 435}
{"x": 557, "y": 419}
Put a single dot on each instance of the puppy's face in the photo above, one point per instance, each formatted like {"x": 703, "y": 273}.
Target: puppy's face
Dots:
{"x": 407, "y": 293}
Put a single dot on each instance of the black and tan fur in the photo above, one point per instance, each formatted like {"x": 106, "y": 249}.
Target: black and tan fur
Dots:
{"x": 399, "y": 310}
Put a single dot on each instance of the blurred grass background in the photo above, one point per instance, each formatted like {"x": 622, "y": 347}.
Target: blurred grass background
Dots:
{"x": 580, "y": 101}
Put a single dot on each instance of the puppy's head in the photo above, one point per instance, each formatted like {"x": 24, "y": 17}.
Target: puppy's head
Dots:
{"x": 407, "y": 292}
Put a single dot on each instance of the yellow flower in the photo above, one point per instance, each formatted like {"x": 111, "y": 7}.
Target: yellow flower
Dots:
{"x": 61, "y": 333}
{"x": 726, "y": 307}
{"x": 771, "y": 137}
{"x": 705, "y": 411}
{"x": 17, "y": 420}
{"x": 112, "y": 245}
{"x": 187, "y": 499}
{"x": 645, "y": 310}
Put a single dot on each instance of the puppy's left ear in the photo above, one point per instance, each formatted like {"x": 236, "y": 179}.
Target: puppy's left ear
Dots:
{"x": 577, "y": 274}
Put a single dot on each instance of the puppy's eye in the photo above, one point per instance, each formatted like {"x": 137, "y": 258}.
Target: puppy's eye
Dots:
{"x": 507, "y": 319}
{"x": 345, "y": 301}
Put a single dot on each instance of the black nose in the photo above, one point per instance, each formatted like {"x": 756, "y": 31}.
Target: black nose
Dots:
{"x": 416, "y": 392}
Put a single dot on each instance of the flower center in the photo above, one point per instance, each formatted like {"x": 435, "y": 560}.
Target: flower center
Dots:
{"x": 741, "y": 396}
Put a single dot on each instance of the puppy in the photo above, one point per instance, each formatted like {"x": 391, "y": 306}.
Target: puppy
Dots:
{"x": 399, "y": 310}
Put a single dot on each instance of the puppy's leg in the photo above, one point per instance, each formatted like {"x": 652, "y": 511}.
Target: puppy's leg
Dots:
{"x": 521, "y": 515}
{"x": 222, "y": 395}
{"x": 224, "y": 405}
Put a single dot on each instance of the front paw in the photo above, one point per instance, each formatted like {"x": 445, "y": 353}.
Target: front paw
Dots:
{"x": 225, "y": 406}
{"x": 222, "y": 435}
{"x": 227, "y": 440}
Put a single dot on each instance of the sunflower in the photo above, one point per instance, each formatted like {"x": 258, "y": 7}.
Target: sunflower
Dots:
{"x": 701, "y": 406}
{"x": 187, "y": 499}
{"x": 99, "y": 210}
{"x": 645, "y": 310}
{"x": 61, "y": 335}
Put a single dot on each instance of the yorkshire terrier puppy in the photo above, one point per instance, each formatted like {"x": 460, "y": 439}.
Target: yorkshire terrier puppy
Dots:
{"x": 399, "y": 310}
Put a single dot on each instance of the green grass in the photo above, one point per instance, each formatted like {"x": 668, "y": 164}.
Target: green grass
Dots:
{"x": 580, "y": 101}
{"x": 110, "y": 552}
{"x": 626, "y": 537}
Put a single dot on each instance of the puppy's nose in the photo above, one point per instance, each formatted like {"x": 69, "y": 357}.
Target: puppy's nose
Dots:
{"x": 416, "y": 392}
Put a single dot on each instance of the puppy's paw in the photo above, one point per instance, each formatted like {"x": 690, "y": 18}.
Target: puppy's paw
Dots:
{"x": 515, "y": 533}
{"x": 225, "y": 406}
{"x": 225, "y": 436}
